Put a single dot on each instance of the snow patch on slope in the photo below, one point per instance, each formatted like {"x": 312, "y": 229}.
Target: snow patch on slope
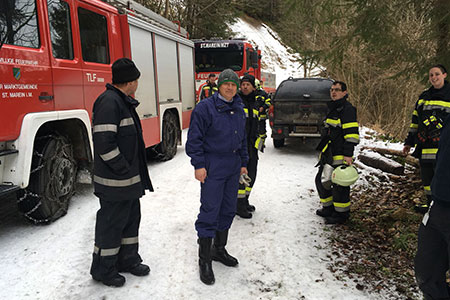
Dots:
{"x": 276, "y": 58}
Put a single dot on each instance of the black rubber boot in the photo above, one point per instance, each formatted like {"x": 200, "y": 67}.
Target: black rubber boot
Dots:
{"x": 250, "y": 208}
{"x": 116, "y": 280}
{"x": 138, "y": 270}
{"x": 104, "y": 269}
{"x": 219, "y": 253}
{"x": 325, "y": 211}
{"x": 204, "y": 261}
{"x": 241, "y": 210}
{"x": 337, "y": 218}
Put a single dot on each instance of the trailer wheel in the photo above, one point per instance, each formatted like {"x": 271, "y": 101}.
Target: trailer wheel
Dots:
{"x": 168, "y": 147}
{"x": 52, "y": 180}
{"x": 277, "y": 143}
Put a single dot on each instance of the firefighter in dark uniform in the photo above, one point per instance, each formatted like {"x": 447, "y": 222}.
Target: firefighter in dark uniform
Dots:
{"x": 432, "y": 258}
{"x": 120, "y": 177}
{"x": 255, "y": 128}
{"x": 217, "y": 147}
{"x": 210, "y": 88}
{"x": 264, "y": 103}
{"x": 429, "y": 112}
{"x": 339, "y": 138}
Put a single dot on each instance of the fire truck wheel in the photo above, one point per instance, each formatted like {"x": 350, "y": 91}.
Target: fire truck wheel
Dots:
{"x": 168, "y": 147}
{"x": 52, "y": 180}
{"x": 277, "y": 143}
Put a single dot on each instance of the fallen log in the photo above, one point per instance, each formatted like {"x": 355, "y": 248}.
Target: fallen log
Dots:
{"x": 378, "y": 161}
{"x": 408, "y": 158}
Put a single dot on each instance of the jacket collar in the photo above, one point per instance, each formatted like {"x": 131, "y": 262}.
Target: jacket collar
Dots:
{"x": 225, "y": 106}
{"x": 337, "y": 103}
{"x": 127, "y": 99}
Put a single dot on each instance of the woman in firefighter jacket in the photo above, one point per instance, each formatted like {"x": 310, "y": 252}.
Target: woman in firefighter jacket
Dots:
{"x": 255, "y": 127}
{"x": 120, "y": 177}
{"x": 217, "y": 147}
{"x": 339, "y": 138}
{"x": 430, "y": 111}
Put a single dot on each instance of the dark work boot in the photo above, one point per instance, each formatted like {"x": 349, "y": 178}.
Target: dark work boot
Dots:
{"x": 219, "y": 253}
{"x": 138, "y": 270}
{"x": 325, "y": 211}
{"x": 337, "y": 218}
{"x": 116, "y": 280}
{"x": 241, "y": 210}
{"x": 104, "y": 269}
{"x": 204, "y": 261}
{"x": 250, "y": 208}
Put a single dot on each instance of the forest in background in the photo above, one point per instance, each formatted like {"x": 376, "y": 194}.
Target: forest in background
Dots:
{"x": 381, "y": 48}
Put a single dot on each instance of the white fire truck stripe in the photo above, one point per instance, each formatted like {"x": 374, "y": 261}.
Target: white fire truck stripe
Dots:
{"x": 116, "y": 182}
{"x": 105, "y": 127}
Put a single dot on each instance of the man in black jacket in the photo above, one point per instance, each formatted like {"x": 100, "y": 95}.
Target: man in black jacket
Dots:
{"x": 255, "y": 128}
{"x": 339, "y": 138}
{"x": 432, "y": 259}
{"x": 120, "y": 177}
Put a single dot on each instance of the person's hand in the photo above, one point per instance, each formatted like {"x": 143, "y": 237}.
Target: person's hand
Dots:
{"x": 348, "y": 160}
{"x": 244, "y": 170}
{"x": 406, "y": 149}
{"x": 200, "y": 174}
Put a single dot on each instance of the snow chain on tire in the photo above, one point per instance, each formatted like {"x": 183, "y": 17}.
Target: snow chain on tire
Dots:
{"x": 55, "y": 190}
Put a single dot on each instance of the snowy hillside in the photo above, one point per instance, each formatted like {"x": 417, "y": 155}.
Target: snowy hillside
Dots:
{"x": 276, "y": 58}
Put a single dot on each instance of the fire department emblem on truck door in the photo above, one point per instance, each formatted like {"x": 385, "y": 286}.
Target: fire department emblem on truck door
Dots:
{"x": 16, "y": 73}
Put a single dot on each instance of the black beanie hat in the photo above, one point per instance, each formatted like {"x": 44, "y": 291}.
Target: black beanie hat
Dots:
{"x": 124, "y": 70}
{"x": 249, "y": 78}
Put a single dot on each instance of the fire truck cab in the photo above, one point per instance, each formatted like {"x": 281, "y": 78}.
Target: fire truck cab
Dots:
{"x": 214, "y": 56}
{"x": 55, "y": 59}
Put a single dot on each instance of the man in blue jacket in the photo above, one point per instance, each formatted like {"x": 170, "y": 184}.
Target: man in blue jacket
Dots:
{"x": 217, "y": 146}
{"x": 432, "y": 259}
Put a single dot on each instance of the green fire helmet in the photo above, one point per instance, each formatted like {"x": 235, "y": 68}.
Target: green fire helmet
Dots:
{"x": 344, "y": 175}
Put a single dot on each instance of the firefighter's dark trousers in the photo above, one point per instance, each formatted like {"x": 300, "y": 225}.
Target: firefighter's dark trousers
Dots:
{"x": 338, "y": 196}
{"x": 116, "y": 238}
{"x": 433, "y": 252}
{"x": 426, "y": 173}
{"x": 218, "y": 194}
{"x": 252, "y": 167}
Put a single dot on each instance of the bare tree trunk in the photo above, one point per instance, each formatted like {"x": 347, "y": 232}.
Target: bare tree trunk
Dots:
{"x": 443, "y": 26}
{"x": 166, "y": 9}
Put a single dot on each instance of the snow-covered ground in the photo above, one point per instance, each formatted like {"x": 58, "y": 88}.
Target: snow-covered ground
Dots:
{"x": 282, "y": 251}
{"x": 276, "y": 58}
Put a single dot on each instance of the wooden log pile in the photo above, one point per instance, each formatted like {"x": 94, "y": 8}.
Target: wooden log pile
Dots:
{"x": 374, "y": 157}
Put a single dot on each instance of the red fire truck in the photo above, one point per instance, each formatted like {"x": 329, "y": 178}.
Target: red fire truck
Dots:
{"x": 213, "y": 56}
{"x": 55, "y": 59}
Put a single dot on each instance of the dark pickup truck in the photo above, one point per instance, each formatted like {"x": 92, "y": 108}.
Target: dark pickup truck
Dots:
{"x": 299, "y": 108}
